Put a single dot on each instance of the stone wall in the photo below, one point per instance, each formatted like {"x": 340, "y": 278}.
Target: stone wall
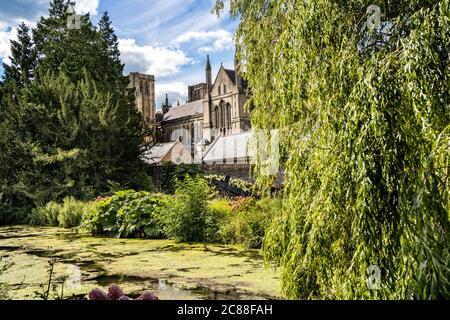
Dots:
{"x": 237, "y": 171}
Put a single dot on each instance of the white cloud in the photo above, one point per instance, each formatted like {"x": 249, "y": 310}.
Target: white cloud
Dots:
{"x": 213, "y": 40}
{"x": 87, "y": 6}
{"x": 176, "y": 90}
{"x": 6, "y": 35}
{"x": 156, "y": 60}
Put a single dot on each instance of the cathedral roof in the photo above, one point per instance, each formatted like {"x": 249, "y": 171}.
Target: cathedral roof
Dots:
{"x": 174, "y": 152}
{"x": 158, "y": 152}
{"x": 189, "y": 109}
{"x": 232, "y": 75}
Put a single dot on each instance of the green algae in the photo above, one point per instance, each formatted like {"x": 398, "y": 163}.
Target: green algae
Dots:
{"x": 172, "y": 270}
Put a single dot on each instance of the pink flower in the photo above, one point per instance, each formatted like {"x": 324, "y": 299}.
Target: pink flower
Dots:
{"x": 100, "y": 198}
{"x": 114, "y": 292}
{"x": 97, "y": 295}
{"x": 147, "y": 296}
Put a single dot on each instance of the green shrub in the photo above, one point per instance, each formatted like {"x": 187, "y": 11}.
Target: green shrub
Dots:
{"x": 13, "y": 215}
{"x": 220, "y": 207}
{"x": 219, "y": 212}
{"x": 46, "y": 216}
{"x": 243, "y": 185}
{"x": 248, "y": 221}
{"x": 128, "y": 214}
{"x": 141, "y": 218}
{"x": 102, "y": 220}
{"x": 67, "y": 215}
{"x": 189, "y": 218}
{"x": 173, "y": 173}
{"x": 72, "y": 211}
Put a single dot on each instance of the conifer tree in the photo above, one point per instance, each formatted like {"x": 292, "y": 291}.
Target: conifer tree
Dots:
{"x": 23, "y": 58}
{"x": 111, "y": 47}
{"x": 69, "y": 50}
{"x": 73, "y": 128}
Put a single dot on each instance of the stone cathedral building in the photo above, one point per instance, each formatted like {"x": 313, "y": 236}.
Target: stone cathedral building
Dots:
{"x": 144, "y": 91}
{"x": 214, "y": 110}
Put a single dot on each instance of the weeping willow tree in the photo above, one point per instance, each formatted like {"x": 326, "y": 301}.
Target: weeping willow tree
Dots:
{"x": 362, "y": 103}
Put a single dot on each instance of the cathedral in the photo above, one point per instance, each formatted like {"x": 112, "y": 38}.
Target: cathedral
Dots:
{"x": 213, "y": 110}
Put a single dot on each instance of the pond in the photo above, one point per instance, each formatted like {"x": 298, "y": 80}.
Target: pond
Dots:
{"x": 172, "y": 270}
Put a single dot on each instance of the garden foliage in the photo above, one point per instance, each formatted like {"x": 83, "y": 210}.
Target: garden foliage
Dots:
{"x": 246, "y": 220}
{"x": 188, "y": 218}
{"x": 128, "y": 214}
{"x": 66, "y": 215}
{"x": 173, "y": 173}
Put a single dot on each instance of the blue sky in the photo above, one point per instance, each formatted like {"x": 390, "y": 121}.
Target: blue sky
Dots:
{"x": 166, "y": 38}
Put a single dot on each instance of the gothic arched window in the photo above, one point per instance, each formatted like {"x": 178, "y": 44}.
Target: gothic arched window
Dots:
{"x": 223, "y": 114}
{"x": 216, "y": 116}
{"x": 192, "y": 133}
{"x": 228, "y": 116}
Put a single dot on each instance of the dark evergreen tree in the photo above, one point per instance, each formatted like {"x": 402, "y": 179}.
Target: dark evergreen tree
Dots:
{"x": 50, "y": 29}
{"x": 69, "y": 50}
{"x": 111, "y": 47}
{"x": 82, "y": 139}
{"x": 73, "y": 130}
{"x": 23, "y": 58}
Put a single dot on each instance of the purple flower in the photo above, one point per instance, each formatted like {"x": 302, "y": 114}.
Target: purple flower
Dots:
{"x": 100, "y": 198}
{"x": 114, "y": 292}
{"x": 117, "y": 294}
{"x": 97, "y": 295}
{"x": 147, "y": 296}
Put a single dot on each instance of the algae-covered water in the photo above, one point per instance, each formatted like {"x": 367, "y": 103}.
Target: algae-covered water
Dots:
{"x": 171, "y": 270}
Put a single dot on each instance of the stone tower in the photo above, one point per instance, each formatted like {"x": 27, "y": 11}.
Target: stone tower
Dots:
{"x": 166, "y": 106}
{"x": 144, "y": 86}
{"x": 223, "y": 107}
{"x": 207, "y": 120}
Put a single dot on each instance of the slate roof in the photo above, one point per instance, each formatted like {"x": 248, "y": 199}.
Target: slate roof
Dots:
{"x": 157, "y": 152}
{"x": 228, "y": 148}
{"x": 189, "y": 109}
{"x": 232, "y": 75}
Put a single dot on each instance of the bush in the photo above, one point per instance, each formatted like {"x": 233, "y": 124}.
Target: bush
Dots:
{"x": 71, "y": 212}
{"x": 45, "y": 216}
{"x": 219, "y": 211}
{"x": 128, "y": 214}
{"x": 242, "y": 185}
{"x": 67, "y": 215}
{"x": 189, "y": 218}
{"x": 248, "y": 221}
{"x": 14, "y": 215}
{"x": 173, "y": 173}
